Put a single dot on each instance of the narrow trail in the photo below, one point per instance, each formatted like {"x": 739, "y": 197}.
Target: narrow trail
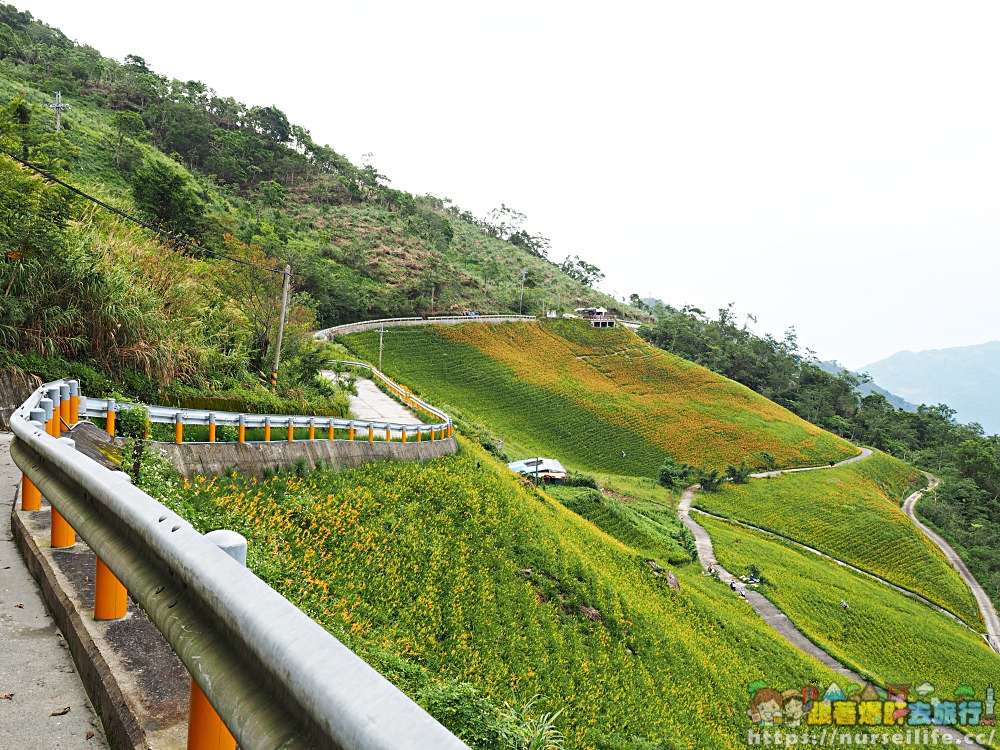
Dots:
{"x": 770, "y": 613}
{"x": 824, "y": 555}
{"x": 986, "y": 608}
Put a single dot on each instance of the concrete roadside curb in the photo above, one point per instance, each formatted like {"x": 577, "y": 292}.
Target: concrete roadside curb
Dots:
{"x": 134, "y": 680}
{"x": 120, "y": 724}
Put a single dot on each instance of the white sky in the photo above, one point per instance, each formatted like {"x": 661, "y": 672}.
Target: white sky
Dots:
{"x": 829, "y": 166}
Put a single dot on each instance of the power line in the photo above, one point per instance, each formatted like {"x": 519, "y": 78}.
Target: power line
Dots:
{"x": 152, "y": 227}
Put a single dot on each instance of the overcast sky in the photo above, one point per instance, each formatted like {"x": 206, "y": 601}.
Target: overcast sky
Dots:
{"x": 833, "y": 167}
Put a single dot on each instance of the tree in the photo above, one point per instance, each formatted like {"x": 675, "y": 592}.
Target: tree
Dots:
{"x": 581, "y": 270}
{"x": 166, "y": 195}
{"x": 126, "y": 123}
{"x": 270, "y": 194}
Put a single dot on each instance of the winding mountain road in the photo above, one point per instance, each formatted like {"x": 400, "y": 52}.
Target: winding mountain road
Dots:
{"x": 986, "y": 608}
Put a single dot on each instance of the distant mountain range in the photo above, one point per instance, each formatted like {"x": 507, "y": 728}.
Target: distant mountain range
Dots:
{"x": 963, "y": 377}
{"x": 835, "y": 368}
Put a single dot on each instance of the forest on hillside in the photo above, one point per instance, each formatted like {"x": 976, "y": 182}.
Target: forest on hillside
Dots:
{"x": 186, "y": 298}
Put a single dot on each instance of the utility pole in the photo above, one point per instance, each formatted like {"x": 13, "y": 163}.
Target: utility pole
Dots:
{"x": 281, "y": 324}
{"x": 58, "y": 107}
{"x": 520, "y": 305}
{"x": 381, "y": 330}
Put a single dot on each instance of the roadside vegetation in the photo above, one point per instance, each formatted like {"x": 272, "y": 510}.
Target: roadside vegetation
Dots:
{"x": 458, "y": 572}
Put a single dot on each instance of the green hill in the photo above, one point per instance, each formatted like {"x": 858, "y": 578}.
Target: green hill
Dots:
{"x": 472, "y": 576}
{"x": 585, "y": 395}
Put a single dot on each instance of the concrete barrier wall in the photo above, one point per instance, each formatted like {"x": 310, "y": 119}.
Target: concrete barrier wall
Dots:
{"x": 256, "y": 459}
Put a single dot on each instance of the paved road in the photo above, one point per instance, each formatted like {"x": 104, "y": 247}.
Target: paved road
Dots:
{"x": 37, "y": 675}
{"x": 373, "y": 404}
{"x": 986, "y": 608}
{"x": 865, "y": 453}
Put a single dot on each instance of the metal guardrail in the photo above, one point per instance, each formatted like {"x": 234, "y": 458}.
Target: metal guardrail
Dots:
{"x": 368, "y": 325}
{"x": 99, "y": 407}
{"x": 275, "y": 677}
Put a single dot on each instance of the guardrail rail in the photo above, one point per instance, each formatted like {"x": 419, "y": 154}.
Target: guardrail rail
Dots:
{"x": 275, "y": 677}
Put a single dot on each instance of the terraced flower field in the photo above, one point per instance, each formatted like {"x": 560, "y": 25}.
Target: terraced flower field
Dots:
{"x": 885, "y": 634}
{"x": 586, "y": 395}
{"x": 851, "y": 513}
{"x": 459, "y": 567}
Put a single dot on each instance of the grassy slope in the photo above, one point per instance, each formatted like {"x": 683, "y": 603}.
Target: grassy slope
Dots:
{"x": 884, "y": 634}
{"x": 585, "y": 395}
{"x": 851, "y": 513}
{"x": 477, "y": 577}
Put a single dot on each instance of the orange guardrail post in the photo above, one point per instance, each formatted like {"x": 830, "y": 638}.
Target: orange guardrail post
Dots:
{"x": 45, "y": 404}
{"x": 451, "y": 430}
{"x": 74, "y": 401}
{"x": 291, "y": 430}
{"x": 64, "y": 410}
{"x": 350, "y": 432}
{"x": 404, "y": 434}
{"x": 110, "y": 426}
{"x": 330, "y": 436}
{"x": 312, "y": 429}
{"x": 110, "y": 597}
{"x": 388, "y": 434}
{"x": 54, "y": 427}
{"x": 420, "y": 434}
{"x": 205, "y": 728}
{"x": 267, "y": 429}
{"x": 31, "y": 496}
{"x": 371, "y": 433}
{"x": 211, "y": 428}
{"x": 62, "y": 534}
{"x": 242, "y": 429}
{"x": 178, "y": 428}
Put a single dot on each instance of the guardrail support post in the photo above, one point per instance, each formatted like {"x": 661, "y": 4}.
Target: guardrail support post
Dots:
{"x": 31, "y": 496}
{"x": 178, "y": 428}
{"x": 110, "y": 596}
{"x": 312, "y": 429}
{"x": 64, "y": 409}
{"x": 267, "y": 429}
{"x": 350, "y": 433}
{"x": 330, "y": 436}
{"x": 205, "y": 728}
{"x": 451, "y": 430}
{"x": 242, "y": 429}
{"x": 110, "y": 426}
{"x": 74, "y": 401}
{"x": 404, "y": 434}
{"x": 211, "y": 427}
{"x": 62, "y": 534}
{"x": 291, "y": 430}
{"x": 53, "y": 394}
{"x": 388, "y": 434}
{"x": 46, "y": 405}
{"x": 420, "y": 435}
{"x": 371, "y": 433}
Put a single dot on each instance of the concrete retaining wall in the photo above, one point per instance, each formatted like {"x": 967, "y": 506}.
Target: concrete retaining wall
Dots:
{"x": 255, "y": 459}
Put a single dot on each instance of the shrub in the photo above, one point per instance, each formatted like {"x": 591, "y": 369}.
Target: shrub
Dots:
{"x": 579, "y": 479}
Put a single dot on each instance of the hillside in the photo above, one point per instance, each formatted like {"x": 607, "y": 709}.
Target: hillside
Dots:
{"x": 964, "y": 377}
{"x": 456, "y": 572}
{"x": 587, "y": 395}
{"x": 229, "y": 193}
